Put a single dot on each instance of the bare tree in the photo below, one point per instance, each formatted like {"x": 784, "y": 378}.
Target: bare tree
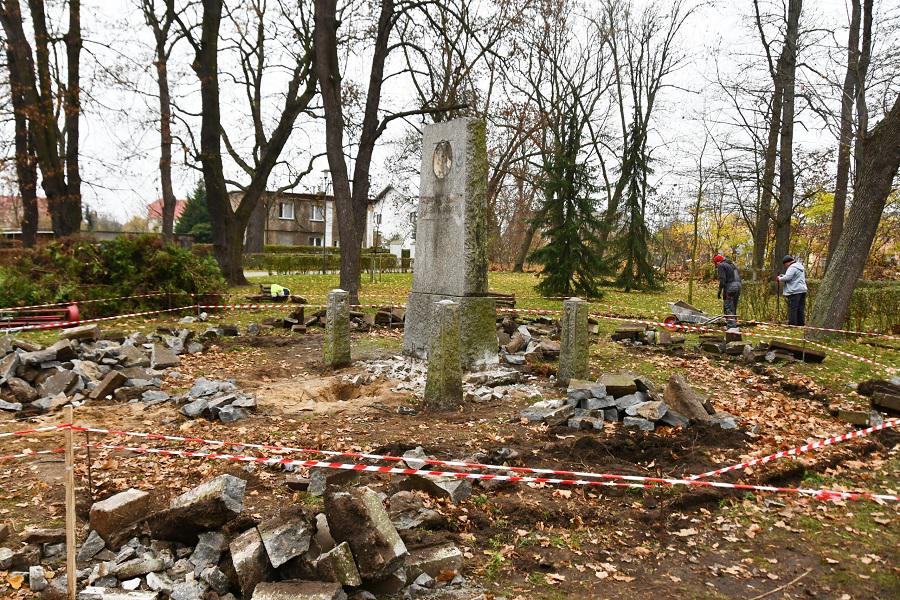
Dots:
{"x": 36, "y": 78}
{"x": 26, "y": 163}
{"x": 229, "y": 222}
{"x": 164, "y": 43}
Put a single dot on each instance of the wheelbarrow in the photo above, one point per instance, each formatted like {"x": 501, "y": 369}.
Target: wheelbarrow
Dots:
{"x": 682, "y": 312}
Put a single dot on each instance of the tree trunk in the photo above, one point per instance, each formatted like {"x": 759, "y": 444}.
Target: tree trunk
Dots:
{"x": 764, "y": 214}
{"x": 527, "y": 239}
{"x": 256, "y": 229}
{"x": 786, "y": 158}
{"x": 71, "y": 213}
{"x": 165, "y": 148}
{"x": 845, "y": 138}
{"x": 26, "y": 164}
{"x": 227, "y": 230}
{"x": 878, "y": 160}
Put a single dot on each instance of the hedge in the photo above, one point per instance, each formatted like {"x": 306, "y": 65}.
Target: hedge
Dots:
{"x": 282, "y": 263}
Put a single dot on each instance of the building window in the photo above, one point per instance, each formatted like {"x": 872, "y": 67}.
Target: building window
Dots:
{"x": 286, "y": 211}
{"x": 316, "y": 213}
{"x": 315, "y": 240}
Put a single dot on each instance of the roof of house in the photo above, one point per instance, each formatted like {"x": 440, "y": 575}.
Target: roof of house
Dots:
{"x": 154, "y": 209}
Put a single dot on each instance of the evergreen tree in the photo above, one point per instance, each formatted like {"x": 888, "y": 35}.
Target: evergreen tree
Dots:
{"x": 571, "y": 224}
{"x": 634, "y": 254}
{"x": 195, "y": 218}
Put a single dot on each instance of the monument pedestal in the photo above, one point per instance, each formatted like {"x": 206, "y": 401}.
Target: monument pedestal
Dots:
{"x": 451, "y": 243}
{"x": 477, "y": 328}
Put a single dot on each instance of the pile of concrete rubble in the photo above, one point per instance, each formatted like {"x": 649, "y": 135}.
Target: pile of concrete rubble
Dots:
{"x": 631, "y": 399}
{"x": 87, "y": 364}
{"x": 531, "y": 341}
{"x": 204, "y": 545}
{"x": 480, "y": 386}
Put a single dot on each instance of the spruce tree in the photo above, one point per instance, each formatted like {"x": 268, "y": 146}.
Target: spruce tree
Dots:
{"x": 571, "y": 223}
{"x": 634, "y": 253}
{"x": 195, "y": 218}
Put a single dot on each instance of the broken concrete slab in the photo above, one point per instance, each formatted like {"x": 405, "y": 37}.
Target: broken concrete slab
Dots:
{"x": 209, "y": 548}
{"x": 284, "y": 539}
{"x": 8, "y": 366}
{"x": 338, "y": 565}
{"x": 299, "y": 590}
{"x": 456, "y": 490}
{"x": 162, "y": 357}
{"x": 434, "y": 561}
{"x": 320, "y": 480}
{"x": 618, "y": 384}
{"x": 359, "y": 518}
{"x": 580, "y": 389}
{"x": 22, "y": 390}
{"x": 799, "y": 352}
{"x": 250, "y": 560}
{"x": 407, "y": 511}
{"x": 108, "y": 385}
{"x": 38, "y": 535}
{"x": 683, "y": 399}
{"x": 61, "y": 382}
{"x": 113, "y": 517}
{"x": 82, "y": 333}
{"x": 138, "y": 567}
{"x": 642, "y": 424}
{"x": 548, "y": 413}
{"x": 91, "y": 546}
{"x": 653, "y": 410}
{"x": 207, "y": 506}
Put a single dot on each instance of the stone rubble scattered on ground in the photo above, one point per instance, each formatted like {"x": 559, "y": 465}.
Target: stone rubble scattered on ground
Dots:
{"x": 633, "y": 400}
{"x": 204, "y": 545}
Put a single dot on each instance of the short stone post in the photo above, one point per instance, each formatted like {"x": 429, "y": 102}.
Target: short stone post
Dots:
{"x": 443, "y": 388}
{"x": 336, "y": 346}
{"x": 573, "y": 352}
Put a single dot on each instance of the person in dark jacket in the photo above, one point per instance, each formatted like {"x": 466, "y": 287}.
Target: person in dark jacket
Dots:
{"x": 729, "y": 287}
{"x": 794, "y": 281}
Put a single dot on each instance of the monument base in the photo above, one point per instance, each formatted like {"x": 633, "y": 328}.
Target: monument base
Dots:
{"x": 477, "y": 328}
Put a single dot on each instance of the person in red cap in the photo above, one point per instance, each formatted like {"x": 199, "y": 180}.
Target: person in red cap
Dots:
{"x": 729, "y": 287}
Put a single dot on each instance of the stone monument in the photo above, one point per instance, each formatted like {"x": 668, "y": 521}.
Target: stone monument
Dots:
{"x": 451, "y": 243}
{"x": 443, "y": 387}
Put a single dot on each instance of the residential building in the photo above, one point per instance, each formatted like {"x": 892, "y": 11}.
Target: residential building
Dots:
{"x": 154, "y": 213}
{"x": 291, "y": 219}
{"x": 11, "y": 214}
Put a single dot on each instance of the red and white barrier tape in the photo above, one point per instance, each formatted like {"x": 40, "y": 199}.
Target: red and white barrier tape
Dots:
{"x": 850, "y": 435}
{"x": 60, "y": 324}
{"x": 283, "y": 306}
{"x": 32, "y": 431}
{"x": 634, "y": 481}
{"x": 94, "y": 300}
{"x": 30, "y": 453}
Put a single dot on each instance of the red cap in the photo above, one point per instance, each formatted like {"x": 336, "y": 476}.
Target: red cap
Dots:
{"x": 718, "y": 258}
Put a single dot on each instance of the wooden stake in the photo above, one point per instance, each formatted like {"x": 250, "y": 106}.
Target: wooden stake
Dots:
{"x": 70, "y": 505}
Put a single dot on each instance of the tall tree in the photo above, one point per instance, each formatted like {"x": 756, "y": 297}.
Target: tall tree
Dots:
{"x": 788, "y": 75}
{"x": 845, "y": 137}
{"x": 163, "y": 44}
{"x": 351, "y": 192}
{"x": 25, "y": 160}
{"x": 229, "y": 222}
{"x": 33, "y": 73}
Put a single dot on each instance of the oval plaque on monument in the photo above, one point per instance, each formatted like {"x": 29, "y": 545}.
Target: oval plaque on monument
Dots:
{"x": 442, "y": 161}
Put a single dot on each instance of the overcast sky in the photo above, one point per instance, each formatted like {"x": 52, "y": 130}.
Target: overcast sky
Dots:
{"x": 120, "y": 142}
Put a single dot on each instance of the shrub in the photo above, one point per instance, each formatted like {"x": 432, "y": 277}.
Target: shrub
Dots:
{"x": 81, "y": 270}
{"x": 284, "y": 263}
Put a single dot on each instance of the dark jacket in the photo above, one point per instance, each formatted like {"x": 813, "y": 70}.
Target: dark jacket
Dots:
{"x": 729, "y": 277}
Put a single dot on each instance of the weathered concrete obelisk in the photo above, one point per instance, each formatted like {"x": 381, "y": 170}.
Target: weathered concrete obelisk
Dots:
{"x": 451, "y": 242}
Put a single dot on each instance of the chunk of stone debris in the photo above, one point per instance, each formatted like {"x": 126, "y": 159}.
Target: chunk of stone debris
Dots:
{"x": 216, "y": 579}
{"x": 10, "y": 406}
{"x": 6, "y": 558}
{"x": 38, "y": 535}
{"x": 231, "y": 413}
{"x": 61, "y": 351}
{"x": 611, "y": 414}
{"x": 61, "y": 382}
{"x": 359, "y": 518}
{"x": 321, "y": 480}
{"x": 579, "y": 390}
{"x": 160, "y": 582}
{"x": 162, "y": 357}
{"x": 83, "y": 333}
{"x": 111, "y": 518}
{"x": 37, "y": 580}
{"x": 196, "y": 408}
{"x": 642, "y": 424}
{"x": 724, "y": 420}
{"x": 682, "y": 398}
{"x": 674, "y": 419}
{"x": 132, "y": 356}
{"x": 137, "y": 567}
{"x": 548, "y": 411}
{"x": 188, "y": 590}
{"x": 390, "y": 584}
{"x": 131, "y": 584}
{"x": 284, "y": 539}
{"x": 91, "y": 546}
{"x": 299, "y": 590}
{"x": 407, "y": 511}
{"x": 22, "y": 390}
{"x": 415, "y": 458}
{"x": 653, "y": 410}
{"x": 251, "y": 563}
{"x": 108, "y": 385}
{"x": 433, "y": 560}
{"x": 455, "y": 490}
{"x": 618, "y": 384}
{"x": 338, "y": 565}
{"x": 585, "y": 422}
{"x": 98, "y": 593}
{"x": 8, "y": 366}
{"x": 624, "y": 402}
{"x": 598, "y": 403}
{"x": 206, "y": 507}
{"x": 209, "y": 548}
